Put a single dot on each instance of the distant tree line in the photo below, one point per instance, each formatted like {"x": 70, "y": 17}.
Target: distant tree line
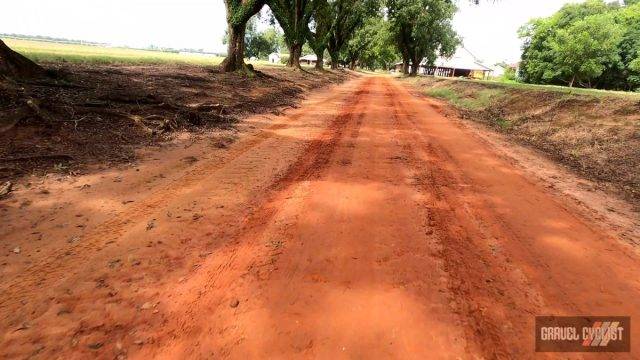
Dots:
{"x": 593, "y": 44}
{"x": 51, "y": 39}
{"x": 367, "y": 33}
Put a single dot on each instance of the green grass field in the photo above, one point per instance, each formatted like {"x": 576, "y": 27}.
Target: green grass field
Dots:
{"x": 482, "y": 98}
{"x": 44, "y": 51}
{"x": 564, "y": 89}
{"x": 554, "y": 88}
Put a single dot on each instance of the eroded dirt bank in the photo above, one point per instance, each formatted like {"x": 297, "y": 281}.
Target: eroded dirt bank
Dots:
{"x": 363, "y": 224}
{"x": 99, "y": 115}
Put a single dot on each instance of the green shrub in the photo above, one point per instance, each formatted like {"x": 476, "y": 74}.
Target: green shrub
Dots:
{"x": 443, "y": 93}
{"x": 475, "y": 101}
{"x": 503, "y": 123}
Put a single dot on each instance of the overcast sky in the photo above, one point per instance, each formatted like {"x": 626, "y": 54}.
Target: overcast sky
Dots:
{"x": 489, "y": 30}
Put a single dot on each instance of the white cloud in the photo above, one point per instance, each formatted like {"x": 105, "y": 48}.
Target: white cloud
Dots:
{"x": 490, "y": 29}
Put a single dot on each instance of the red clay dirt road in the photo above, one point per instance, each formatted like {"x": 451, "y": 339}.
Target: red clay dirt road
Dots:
{"x": 363, "y": 224}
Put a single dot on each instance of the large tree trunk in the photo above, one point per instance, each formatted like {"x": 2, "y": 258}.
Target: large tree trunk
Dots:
{"x": 238, "y": 14}
{"x": 235, "y": 49}
{"x": 405, "y": 63}
{"x": 415, "y": 66}
{"x": 414, "y": 69}
{"x": 17, "y": 66}
{"x": 405, "y": 66}
{"x": 320, "y": 62}
{"x": 334, "y": 59}
{"x": 295, "y": 51}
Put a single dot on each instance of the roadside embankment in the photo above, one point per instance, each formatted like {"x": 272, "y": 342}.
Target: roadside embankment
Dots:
{"x": 595, "y": 133}
{"x": 101, "y": 114}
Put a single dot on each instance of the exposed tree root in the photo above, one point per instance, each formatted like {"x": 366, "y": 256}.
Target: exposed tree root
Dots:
{"x": 62, "y": 157}
{"x": 16, "y": 66}
{"x": 9, "y": 120}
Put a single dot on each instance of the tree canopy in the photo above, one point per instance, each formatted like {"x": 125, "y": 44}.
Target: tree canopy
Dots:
{"x": 257, "y": 43}
{"x": 372, "y": 45}
{"x": 320, "y": 29}
{"x": 422, "y": 30}
{"x": 592, "y": 44}
{"x": 371, "y": 33}
{"x": 293, "y": 17}
{"x": 347, "y": 17}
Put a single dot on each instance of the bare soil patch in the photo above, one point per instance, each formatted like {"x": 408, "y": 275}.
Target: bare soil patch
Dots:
{"x": 402, "y": 233}
{"x": 99, "y": 114}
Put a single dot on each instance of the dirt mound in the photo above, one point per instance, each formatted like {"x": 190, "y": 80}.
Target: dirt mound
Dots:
{"x": 597, "y": 135}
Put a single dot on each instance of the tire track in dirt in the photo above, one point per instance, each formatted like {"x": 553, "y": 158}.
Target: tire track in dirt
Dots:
{"x": 64, "y": 260}
{"x": 502, "y": 270}
{"x": 377, "y": 228}
{"x": 319, "y": 152}
{"x": 111, "y": 230}
{"x": 357, "y": 277}
{"x": 455, "y": 240}
{"x": 344, "y": 263}
{"x": 244, "y": 258}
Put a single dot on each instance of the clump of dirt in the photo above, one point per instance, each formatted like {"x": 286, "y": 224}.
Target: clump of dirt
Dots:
{"x": 596, "y": 135}
{"x": 88, "y": 114}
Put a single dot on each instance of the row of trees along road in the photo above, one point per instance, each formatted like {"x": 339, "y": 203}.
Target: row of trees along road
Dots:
{"x": 372, "y": 33}
{"x": 421, "y": 29}
{"x": 259, "y": 44}
{"x": 592, "y": 44}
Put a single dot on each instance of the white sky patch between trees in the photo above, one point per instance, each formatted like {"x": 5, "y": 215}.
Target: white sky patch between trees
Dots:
{"x": 489, "y": 30}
